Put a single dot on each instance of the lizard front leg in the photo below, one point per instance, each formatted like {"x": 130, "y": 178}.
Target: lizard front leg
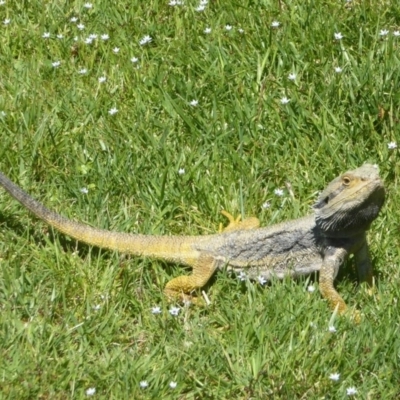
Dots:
{"x": 364, "y": 267}
{"x": 333, "y": 258}
{"x": 363, "y": 264}
{"x": 182, "y": 286}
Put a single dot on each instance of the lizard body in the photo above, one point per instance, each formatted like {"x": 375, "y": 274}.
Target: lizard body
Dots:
{"x": 318, "y": 242}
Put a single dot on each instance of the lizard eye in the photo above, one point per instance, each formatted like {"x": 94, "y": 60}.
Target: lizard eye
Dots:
{"x": 346, "y": 181}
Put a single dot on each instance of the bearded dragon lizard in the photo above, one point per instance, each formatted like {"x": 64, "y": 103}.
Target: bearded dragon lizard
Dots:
{"x": 318, "y": 242}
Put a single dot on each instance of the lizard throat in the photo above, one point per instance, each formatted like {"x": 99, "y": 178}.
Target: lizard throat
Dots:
{"x": 351, "y": 219}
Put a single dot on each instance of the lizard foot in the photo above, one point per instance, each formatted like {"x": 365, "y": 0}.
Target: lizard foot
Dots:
{"x": 236, "y": 223}
{"x": 183, "y": 286}
{"x": 353, "y": 314}
{"x": 183, "y": 298}
{"x": 371, "y": 291}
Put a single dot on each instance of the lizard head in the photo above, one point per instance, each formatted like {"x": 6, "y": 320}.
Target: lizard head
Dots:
{"x": 350, "y": 202}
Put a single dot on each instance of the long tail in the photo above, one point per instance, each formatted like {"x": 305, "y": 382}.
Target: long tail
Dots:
{"x": 171, "y": 248}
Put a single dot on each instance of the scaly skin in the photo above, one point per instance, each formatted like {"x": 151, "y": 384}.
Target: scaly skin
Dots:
{"x": 318, "y": 242}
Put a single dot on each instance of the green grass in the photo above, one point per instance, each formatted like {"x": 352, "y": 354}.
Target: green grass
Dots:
{"x": 74, "y": 317}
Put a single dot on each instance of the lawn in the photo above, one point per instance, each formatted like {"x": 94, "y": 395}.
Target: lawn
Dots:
{"x": 152, "y": 117}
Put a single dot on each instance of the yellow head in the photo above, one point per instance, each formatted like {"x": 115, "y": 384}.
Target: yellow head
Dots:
{"x": 350, "y": 202}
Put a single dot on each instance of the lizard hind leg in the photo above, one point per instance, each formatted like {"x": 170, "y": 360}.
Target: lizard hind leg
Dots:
{"x": 236, "y": 223}
{"x": 182, "y": 286}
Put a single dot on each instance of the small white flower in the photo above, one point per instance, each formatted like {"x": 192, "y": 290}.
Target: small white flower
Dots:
{"x": 338, "y": 70}
{"x": 104, "y": 36}
{"x": 84, "y": 190}
{"x": 81, "y": 27}
{"x": 275, "y": 24}
{"x": 88, "y": 40}
{"x": 334, "y": 377}
{"x": 172, "y": 3}
{"x": 332, "y": 329}
{"x": 134, "y": 60}
{"x": 76, "y": 38}
{"x": 88, "y": 5}
{"x": 242, "y": 276}
{"x": 313, "y": 325}
{"x": 2, "y": 2}
{"x": 228, "y": 27}
{"x": 145, "y": 39}
{"x": 194, "y": 103}
{"x": 396, "y": 33}
{"x": 102, "y": 79}
{"x": 97, "y": 307}
{"x": 143, "y": 384}
{"x": 173, "y": 385}
{"x": 204, "y": 2}
{"x": 351, "y": 391}
{"x": 156, "y": 310}
{"x": 266, "y": 205}
{"x": 90, "y": 391}
{"x": 82, "y": 71}
{"x": 392, "y": 145}
{"x": 261, "y": 280}
{"x": 116, "y": 50}
{"x": 74, "y": 19}
{"x": 112, "y": 111}
{"x": 241, "y": 30}
{"x": 60, "y": 36}
{"x": 181, "y": 171}
{"x": 338, "y": 36}
{"x": 207, "y": 30}
{"x": 278, "y": 192}
{"x": 3, "y": 114}
{"x": 174, "y": 311}
{"x": 56, "y": 64}
{"x": 292, "y": 76}
{"x": 200, "y": 8}
{"x": 284, "y": 100}
{"x": 93, "y": 36}
{"x": 7, "y": 21}
{"x": 383, "y": 32}
{"x": 46, "y": 35}
{"x": 311, "y": 289}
